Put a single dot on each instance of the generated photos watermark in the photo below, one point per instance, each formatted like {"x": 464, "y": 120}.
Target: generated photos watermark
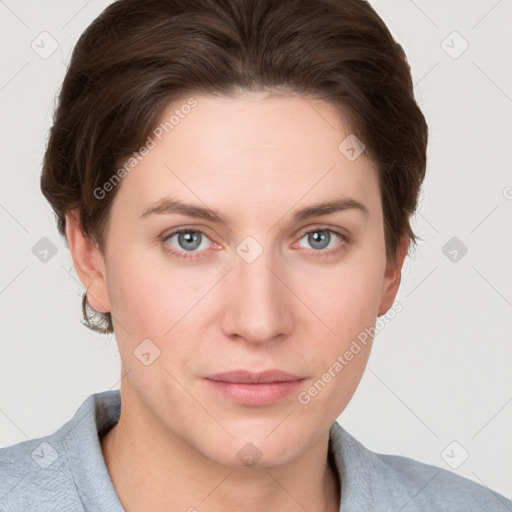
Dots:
{"x": 304, "y": 397}
{"x": 152, "y": 141}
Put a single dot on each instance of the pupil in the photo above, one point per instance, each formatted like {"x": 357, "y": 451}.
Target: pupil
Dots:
{"x": 319, "y": 239}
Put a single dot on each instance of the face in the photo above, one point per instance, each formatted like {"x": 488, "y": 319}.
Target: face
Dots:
{"x": 242, "y": 269}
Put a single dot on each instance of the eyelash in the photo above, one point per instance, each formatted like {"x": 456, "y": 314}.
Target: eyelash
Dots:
{"x": 315, "y": 253}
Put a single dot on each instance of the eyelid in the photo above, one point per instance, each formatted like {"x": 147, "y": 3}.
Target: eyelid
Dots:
{"x": 342, "y": 233}
{"x": 205, "y": 232}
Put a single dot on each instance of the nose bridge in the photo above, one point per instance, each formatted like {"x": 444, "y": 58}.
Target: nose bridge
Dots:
{"x": 258, "y": 305}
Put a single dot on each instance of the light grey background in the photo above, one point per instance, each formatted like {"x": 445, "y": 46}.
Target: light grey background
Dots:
{"x": 439, "y": 372}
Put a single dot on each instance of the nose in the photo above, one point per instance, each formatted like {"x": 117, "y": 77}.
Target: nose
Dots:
{"x": 259, "y": 307}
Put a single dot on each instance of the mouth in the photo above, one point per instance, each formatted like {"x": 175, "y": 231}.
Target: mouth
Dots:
{"x": 256, "y": 389}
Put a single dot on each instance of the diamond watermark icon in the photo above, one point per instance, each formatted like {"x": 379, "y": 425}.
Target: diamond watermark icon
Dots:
{"x": 351, "y": 147}
{"x": 44, "y": 455}
{"x": 454, "y": 45}
{"x": 249, "y": 454}
{"x": 455, "y": 455}
{"x": 249, "y": 249}
{"x": 146, "y": 352}
{"x": 44, "y": 45}
{"x": 454, "y": 249}
{"x": 44, "y": 250}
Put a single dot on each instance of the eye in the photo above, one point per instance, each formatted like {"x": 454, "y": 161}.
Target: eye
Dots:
{"x": 321, "y": 239}
{"x": 193, "y": 243}
{"x": 187, "y": 240}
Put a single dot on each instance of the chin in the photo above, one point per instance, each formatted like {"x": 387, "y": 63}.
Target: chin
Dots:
{"x": 254, "y": 450}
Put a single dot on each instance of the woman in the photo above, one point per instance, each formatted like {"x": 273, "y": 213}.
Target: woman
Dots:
{"x": 235, "y": 181}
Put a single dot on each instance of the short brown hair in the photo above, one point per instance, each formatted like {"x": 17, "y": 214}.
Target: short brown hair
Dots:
{"x": 140, "y": 55}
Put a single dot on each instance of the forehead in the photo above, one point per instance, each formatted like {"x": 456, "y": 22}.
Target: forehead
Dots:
{"x": 254, "y": 148}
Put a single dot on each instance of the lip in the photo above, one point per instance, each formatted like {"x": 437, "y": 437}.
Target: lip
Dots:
{"x": 257, "y": 389}
{"x": 248, "y": 377}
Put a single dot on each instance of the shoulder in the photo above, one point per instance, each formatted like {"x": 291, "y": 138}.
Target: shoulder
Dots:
{"x": 436, "y": 488}
{"x": 401, "y": 483}
{"x": 37, "y": 470}
{"x": 60, "y": 472}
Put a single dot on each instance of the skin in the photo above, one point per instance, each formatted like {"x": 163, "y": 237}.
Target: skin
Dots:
{"x": 254, "y": 158}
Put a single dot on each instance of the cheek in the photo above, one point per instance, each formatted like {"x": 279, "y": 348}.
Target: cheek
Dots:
{"x": 148, "y": 297}
{"x": 348, "y": 299}
{"x": 339, "y": 359}
{"x": 348, "y": 304}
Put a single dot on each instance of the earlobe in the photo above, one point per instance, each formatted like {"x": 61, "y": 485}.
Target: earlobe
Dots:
{"x": 393, "y": 278}
{"x": 88, "y": 262}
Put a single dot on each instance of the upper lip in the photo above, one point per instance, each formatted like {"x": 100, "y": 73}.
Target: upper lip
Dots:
{"x": 245, "y": 376}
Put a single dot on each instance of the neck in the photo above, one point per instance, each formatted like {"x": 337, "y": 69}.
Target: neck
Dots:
{"x": 153, "y": 469}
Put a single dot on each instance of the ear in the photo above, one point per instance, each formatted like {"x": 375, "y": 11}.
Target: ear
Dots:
{"x": 89, "y": 263}
{"x": 392, "y": 277}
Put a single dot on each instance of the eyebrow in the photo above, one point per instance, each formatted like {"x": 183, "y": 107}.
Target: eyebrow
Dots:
{"x": 170, "y": 206}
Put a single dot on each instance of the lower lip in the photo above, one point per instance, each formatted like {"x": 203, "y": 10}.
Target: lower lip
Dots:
{"x": 255, "y": 394}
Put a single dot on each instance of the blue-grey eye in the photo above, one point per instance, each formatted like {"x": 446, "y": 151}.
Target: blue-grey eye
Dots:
{"x": 189, "y": 240}
{"x": 321, "y": 239}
